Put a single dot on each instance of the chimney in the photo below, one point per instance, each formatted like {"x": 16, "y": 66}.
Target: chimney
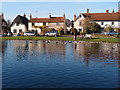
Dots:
{"x": 87, "y": 10}
{"x": 30, "y": 16}
{"x": 64, "y": 15}
{"x": 50, "y": 15}
{"x": 2, "y": 16}
{"x": 113, "y": 11}
{"x": 107, "y": 11}
{"x": 119, "y": 7}
{"x": 24, "y": 15}
{"x": 74, "y": 17}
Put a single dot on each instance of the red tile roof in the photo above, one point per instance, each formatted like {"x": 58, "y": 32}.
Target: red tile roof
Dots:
{"x": 103, "y": 16}
{"x": 52, "y": 19}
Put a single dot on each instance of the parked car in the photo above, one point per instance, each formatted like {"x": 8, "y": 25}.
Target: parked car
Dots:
{"x": 1, "y": 35}
{"x": 29, "y": 34}
{"x": 51, "y": 33}
{"x": 110, "y": 33}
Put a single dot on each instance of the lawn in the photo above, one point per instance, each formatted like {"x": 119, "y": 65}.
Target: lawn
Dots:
{"x": 36, "y": 38}
{"x": 96, "y": 39}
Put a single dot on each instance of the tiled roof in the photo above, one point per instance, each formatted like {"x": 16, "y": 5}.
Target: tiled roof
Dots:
{"x": 52, "y": 19}
{"x": 103, "y": 16}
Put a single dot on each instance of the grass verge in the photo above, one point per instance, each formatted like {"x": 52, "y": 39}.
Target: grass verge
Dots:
{"x": 97, "y": 39}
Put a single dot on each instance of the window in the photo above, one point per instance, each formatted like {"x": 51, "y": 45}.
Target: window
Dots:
{"x": 44, "y": 24}
{"x": 102, "y": 23}
{"x": 17, "y": 24}
{"x": 20, "y": 30}
{"x": 15, "y": 31}
{"x": 33, "y": 24}
{"x": 32, "y": 30}
{"x": 112, "y": 23}
{"x": 57, "y": 23}
{"x": 79, "y": 23}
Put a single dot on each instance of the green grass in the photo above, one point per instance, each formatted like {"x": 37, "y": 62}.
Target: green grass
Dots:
{"x": 36, "y": 38}
{"x": 96, "y": 39}
{"x": 112, "y": 40}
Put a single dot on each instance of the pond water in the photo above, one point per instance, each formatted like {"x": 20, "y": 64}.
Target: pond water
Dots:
{"x": 59, "y": 64}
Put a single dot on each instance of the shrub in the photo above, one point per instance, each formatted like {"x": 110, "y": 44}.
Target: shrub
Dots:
{"x": 73, "y": 30}
{"x": 60, "y": 31}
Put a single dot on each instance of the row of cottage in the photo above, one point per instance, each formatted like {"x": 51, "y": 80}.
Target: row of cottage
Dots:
{"x": 22, "y": 24}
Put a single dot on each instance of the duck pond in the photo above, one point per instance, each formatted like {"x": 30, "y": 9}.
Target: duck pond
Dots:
{"x": 59, "y": 64}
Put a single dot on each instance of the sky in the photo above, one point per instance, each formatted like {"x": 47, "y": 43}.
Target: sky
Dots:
{"x": 43, "y": 9}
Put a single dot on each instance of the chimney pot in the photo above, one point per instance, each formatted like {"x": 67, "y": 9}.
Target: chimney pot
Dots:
{"x": 87, "y": 10}
{"x": 107, "y": 11}
{"x": 24, "y": 15}
{"x": 74, "y": 17}
{"x": 113, "y": 11}
{"x": 64, "y": 15}
{"x": 50, "y": 15}
{"x": 30, "y": 16}
{"x": 2, "y": 16}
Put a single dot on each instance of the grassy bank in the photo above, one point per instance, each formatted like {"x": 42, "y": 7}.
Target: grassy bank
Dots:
{"x": 96, "y": 39}
{"x": 36, "y": 38}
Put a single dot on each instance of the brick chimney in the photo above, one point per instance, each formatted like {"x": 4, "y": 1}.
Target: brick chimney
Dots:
{"x": 30, "y": 16}
{"x": 113, "y": 11}
{"x": 24, "y": 15}
{"x": 87, "y": 10}
{"x": 64, "y": 15}
{"x": 75, "y": 17}
{"x": 2, "y": 16}
{"x": 50, "y": 15}
{"x": 107, "y": 11}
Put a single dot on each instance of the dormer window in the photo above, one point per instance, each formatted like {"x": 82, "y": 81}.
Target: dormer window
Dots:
{"x": 17, "y": 24}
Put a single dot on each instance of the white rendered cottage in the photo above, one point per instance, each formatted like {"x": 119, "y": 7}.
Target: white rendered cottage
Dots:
{"x": 19, "y": 25}
{"x": 51, "y": 22}
{"x": 103, "y": 19}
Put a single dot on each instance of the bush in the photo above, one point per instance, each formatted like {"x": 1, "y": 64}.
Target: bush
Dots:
{"x": 73, "y": 30}
{"x": 60, "y": 31}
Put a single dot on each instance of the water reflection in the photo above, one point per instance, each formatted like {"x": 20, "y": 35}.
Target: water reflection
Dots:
{"x": 77, "y": 57}
{"x": 106, "y": 52}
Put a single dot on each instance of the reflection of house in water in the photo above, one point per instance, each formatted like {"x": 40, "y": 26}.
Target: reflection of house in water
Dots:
{"x": 84, "y": 51}
{"x": 3, "y": 46}
{"x": 39, "y": 47}
{"x": 110, "y": 49}
{"x": 97, "y": 51}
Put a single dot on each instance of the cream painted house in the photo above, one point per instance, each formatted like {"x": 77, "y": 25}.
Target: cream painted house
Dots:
{"x": 19, "y": 25}
{"x": 51, "y": 22}
{"x": 103, "y": 19}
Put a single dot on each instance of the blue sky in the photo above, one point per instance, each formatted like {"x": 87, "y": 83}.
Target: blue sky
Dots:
{"x": 42, "y": 9}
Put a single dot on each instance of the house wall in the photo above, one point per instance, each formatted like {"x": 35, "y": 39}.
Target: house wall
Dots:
{"x": 56, "y": 25}
{"x": 116, "y": 23}
{"x": 30, "y": 27}
{"x": 50, "y": 25}
{"x": 77, "y": 23}
{"x": 78, "y": 26}
{"x": 21, "y": 26}
{"x": 3, "y": 27}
